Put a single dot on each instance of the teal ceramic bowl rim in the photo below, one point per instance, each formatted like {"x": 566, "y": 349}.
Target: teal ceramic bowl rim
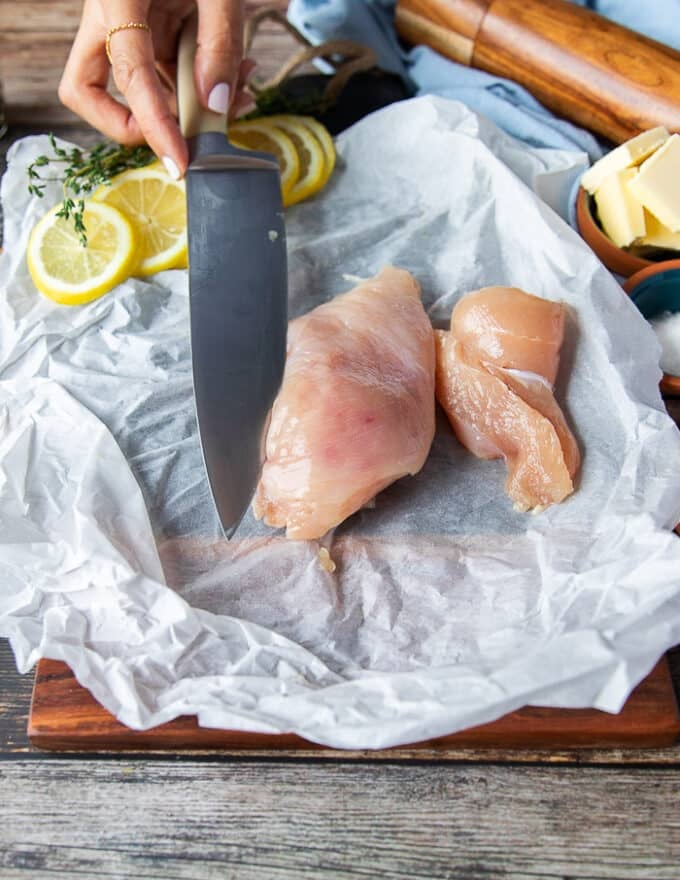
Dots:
{"x": 653, "y": 282}
{"x": 654, "y": 290}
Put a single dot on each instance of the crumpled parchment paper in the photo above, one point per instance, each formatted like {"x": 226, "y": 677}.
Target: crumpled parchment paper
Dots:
{"x": 447, "y": 608}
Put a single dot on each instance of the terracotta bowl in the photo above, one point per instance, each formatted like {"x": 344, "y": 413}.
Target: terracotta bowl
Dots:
{"x": 654, "y": 290}
{"x": 614, "y": 258}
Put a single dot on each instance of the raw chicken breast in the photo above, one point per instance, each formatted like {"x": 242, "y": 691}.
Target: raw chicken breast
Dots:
{"x": 509, "y": 328}
{"x": 493, "y": 422}
{"x": 356, "y": 408}
{"x": 537, "y": 392}
{"x": 494, "y": 380}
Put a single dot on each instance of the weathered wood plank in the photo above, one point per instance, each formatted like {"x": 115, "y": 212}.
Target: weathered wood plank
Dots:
{"x": 64, "y": 15}
{"x": 15, "y": 696}
{"x": 204, "y": 820}
{"x": 27, "y": 16}
{"x": 31, "y": 65}
{"x": 35, "y": 40}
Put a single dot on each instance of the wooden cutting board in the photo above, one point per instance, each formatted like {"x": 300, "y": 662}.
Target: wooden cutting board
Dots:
{"x": 65, "y": 716}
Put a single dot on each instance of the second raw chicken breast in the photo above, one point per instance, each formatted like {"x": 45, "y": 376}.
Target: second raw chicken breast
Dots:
{"x": 356, "y": 408}
{"x": 495, "y": 371}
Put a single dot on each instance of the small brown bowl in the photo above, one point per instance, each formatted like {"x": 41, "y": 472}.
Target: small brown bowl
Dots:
{"x": 654, "y": 290}
{"x": 614, "y": 258}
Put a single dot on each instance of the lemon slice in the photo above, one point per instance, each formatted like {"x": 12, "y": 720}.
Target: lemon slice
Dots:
{"x": 156, "y": 206}
{"x": 312, "y": 174}
{"x": 258, "y": 134}
{"x": 323, "y": 136}
{"x": 69, "y": 273}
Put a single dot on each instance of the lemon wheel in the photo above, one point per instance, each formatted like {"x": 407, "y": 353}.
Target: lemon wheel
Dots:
{"x": 303, "y": 147}
{"x": 256, "y": 134}
{"x": 156, "y": 206}
{"x": 68, "y": 272}
{"x": 320, "y": 134}
{"x": 312, "y": 173}
{"x": 323, "y": 136}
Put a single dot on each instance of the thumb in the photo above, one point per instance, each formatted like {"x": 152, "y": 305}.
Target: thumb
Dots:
{"x": 219, "y": 52}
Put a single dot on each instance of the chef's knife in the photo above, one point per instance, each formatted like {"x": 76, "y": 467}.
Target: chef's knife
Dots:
{"x": 237, "y": 293}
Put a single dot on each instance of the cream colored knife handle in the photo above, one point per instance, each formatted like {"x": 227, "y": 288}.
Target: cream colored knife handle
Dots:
{"x": 193, "y": 119}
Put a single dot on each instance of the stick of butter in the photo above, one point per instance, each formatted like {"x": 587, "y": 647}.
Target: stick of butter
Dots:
{"x": 621, "y": 215}
{"x": 631, "y": 153}
{"x": 657, "y": 184}
{"x": 658, "y": 235}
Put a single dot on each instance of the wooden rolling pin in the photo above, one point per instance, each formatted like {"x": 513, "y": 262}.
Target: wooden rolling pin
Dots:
{"x": 582, "y": 66}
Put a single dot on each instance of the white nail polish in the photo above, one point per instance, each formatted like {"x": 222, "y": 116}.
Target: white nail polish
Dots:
{"x": 171, "y": 167}
{"x": 218, "y": 99}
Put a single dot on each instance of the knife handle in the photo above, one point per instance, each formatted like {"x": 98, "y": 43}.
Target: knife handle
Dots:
{"x": 193, "y": 119}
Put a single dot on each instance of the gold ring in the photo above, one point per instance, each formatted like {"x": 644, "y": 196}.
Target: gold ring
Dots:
{"x": 138, "y": 25}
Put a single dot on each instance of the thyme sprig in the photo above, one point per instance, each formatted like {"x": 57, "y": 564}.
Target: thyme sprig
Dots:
{"x": 81, "y": 172}
{"x": 277, "y": 100}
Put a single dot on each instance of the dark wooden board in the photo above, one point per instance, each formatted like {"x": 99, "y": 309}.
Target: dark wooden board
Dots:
{"x": 65, "y": 716}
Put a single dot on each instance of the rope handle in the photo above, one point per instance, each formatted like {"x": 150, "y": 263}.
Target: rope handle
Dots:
{"x": 355, "y": 57}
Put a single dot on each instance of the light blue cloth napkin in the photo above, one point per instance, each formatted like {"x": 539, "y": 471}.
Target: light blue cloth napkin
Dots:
{"x": 509, "y": 105}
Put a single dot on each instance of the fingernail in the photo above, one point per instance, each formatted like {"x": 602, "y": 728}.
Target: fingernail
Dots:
{"x": 218, "y": 99}
{"x": 171, "y": 167}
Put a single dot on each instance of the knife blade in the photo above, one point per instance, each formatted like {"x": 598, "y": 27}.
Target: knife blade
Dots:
{"x": 238, "y": 295}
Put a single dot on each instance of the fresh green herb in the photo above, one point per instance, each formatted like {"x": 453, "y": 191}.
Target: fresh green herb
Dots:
{"x": 276, "y": 100}
{"x": 81, "y": 171}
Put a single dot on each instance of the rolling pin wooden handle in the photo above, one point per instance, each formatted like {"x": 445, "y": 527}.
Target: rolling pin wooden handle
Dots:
{"x": 579, "y": 64}
{"x": 193, "y": 118}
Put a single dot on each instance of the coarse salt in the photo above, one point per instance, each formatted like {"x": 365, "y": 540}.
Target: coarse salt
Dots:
{"x": 667, "y": 329}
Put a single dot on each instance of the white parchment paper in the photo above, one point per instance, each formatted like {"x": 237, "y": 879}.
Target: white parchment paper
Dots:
{"x": 447, "y": 608}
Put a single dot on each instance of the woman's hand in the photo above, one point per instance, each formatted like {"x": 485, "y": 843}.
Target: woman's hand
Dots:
{"x": 137, "y": 56}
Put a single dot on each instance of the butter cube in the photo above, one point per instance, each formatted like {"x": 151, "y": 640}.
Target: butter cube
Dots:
{"x": 658, "y": 235}
{"x": 621, "y": 215}
{"x": 657, "y": 185}
{"x": 631, "y": 153}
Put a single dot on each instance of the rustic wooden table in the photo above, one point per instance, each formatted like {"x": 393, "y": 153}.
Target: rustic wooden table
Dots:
{"x": 487, "y": 815}
{"x": 606, "y": 814}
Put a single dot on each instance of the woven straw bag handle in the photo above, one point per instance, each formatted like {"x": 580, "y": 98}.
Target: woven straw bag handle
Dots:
{"x": 355, "y": 57}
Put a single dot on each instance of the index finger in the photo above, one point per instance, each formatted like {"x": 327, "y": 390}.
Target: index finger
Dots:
{"x": 83, "y": 89}
{"x": 132, "y": 61}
